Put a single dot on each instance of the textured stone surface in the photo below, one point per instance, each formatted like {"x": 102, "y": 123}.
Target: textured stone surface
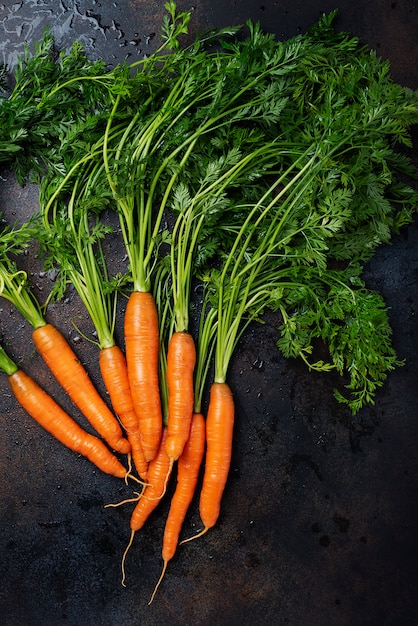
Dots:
{"x": 319, "y": 521}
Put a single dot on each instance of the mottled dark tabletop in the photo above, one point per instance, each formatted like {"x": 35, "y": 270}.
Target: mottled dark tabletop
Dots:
{"x": 319, "y": 523}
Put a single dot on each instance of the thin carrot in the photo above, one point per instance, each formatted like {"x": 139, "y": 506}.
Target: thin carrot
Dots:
{"x": 188, "y": 467}
{"x": 39, "y": 405}
{"x": 67, "y": 369}
{"x": 142, "y": 347}
{"x": 181, "y": 361}
{"x": 115, "y": 376}
{"x": 158, "y": 472}
{"x": 219, "y": 430}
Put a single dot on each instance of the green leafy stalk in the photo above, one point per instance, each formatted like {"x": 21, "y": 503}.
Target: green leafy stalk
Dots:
{"x": 7, "y": 365}
{"x": 72, "y": 236}
{"x": 14, "y": 285}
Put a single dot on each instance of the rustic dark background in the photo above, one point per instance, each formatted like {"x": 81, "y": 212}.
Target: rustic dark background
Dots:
{"x": 319, "y": 524}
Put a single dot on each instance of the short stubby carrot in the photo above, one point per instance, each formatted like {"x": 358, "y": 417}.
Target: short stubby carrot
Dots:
{"x": 70, "y": 373}
{"x": 188, "y": 468}
{"x": 158, "y": 476}
{"x": 219, "y": 431}
{"x": 181, "y": 360}
{"x": 142, "y": 354}
{"x": 115, "y": 376}
{"x": 39, "y": 405}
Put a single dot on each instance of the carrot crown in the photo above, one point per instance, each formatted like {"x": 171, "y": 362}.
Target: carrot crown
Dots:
{"x": 7, "y": 365}
{"x": 14, "y": 288}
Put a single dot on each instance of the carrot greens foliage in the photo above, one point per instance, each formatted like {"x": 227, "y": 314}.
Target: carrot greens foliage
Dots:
{"x": 275, "y": 162}
{"x": 263, "y": 174}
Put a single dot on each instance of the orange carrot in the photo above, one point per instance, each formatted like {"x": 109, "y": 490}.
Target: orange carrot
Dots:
{"x": 115, "y": 376}
{"x": 158, "y": 474}
{"x": 70, "y": 373}
{"x": 219, "y": 429}
{"x": 58, "y": 423}
{"x": 142, "y": 349}
{"x": 188, "y": 467}
{"x": 181, "y": 360}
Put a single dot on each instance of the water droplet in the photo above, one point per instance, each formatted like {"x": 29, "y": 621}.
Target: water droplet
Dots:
{"x": 258, "y": 364}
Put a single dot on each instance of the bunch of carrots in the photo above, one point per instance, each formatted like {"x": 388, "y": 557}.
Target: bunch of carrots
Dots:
{"x": 135, "y": 428}
{"x": 235, "y": 170}
{"x": 120, "y": 432}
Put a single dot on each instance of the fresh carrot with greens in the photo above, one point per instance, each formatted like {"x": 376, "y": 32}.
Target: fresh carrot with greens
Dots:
{"x": 248, "y": 280}
{"x": 142, "y": 165}
{"x": 210, "y": 200}
{"x": 158, "y": 474}
{"x": 72, "y": 237}
{"x": 133, "y": 175}
{"x": 44, "y": 410}
{"x": 141, "y": 329}
{"x": 60, "y": 358}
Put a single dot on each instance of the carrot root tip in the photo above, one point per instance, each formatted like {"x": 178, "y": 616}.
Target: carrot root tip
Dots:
{"x": 158, "y": 582}
{"x": 124, "y": 558}
{"x": 199, "y": 534}
{"x": 115, "y": 504}
{"x": 134, "y": 478}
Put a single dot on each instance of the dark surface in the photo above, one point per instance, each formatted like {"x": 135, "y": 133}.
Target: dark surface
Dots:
{"x": 319, "y": 523}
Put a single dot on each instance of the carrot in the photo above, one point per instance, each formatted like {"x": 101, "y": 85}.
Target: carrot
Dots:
{"x": 60, "y": 358}
{"x": 115, "y": 376}
{"x": 158, "y": 473}
{"x": 70, "y": 373}
{"x": 46, "y": 412}
{"x": 181, "y": 360}
{"x": 188, "y": 467}
{"x": 219, "y": 429}
{"x": 142, "y": 348}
